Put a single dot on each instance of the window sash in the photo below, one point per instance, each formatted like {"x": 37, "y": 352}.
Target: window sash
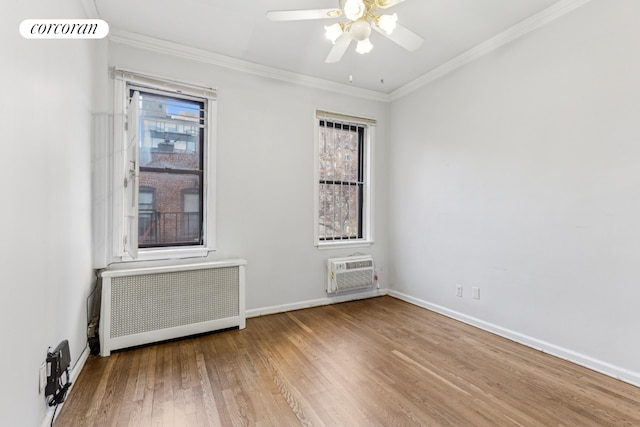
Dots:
{"x": 329, "y": 221}
{"x": 168, "y": 223}
{"x": 335, "y": 214}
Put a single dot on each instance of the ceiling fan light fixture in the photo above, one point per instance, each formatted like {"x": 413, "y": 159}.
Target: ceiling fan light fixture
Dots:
{"x": 364, "y": 46}
{"x": 360, "y": 30}
{"x": 332, "y": 32}
{"x": 387, "y": 23}
{"x": 354, "y": 9}
{"x": 360, "y": 17}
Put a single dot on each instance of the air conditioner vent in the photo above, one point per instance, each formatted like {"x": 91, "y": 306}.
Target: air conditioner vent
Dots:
{"x": 359, "y": 264}
{"x": 348, "y": 274}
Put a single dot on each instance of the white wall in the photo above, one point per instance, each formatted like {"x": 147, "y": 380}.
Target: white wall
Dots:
{"x": 265, "y": 183}
{"x": 519, "y": 174}
{"x": 45, "y": 244}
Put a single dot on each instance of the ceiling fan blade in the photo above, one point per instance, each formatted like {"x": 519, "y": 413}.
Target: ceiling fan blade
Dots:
{"x": 385, "y": 4}
{"x": 403, "y": 36}
{"x": 298, "y": 15}
{"x": 339, "y": 48}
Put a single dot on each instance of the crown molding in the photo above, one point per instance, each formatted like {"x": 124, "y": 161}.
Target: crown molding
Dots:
{"x": 90, "y": 9}
{"x": 524, "y": 27}
{"x": 120, "y": 36}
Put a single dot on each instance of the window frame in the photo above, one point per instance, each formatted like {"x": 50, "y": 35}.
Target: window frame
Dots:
{"x": 176, "y": 171}
{"x": 122, "y": 249}
{"x": 366, "y": 155}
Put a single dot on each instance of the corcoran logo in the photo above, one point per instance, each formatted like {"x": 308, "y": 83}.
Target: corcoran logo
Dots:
{"x": 64, "y": 29}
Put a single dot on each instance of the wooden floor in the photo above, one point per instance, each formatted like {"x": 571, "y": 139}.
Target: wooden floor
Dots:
{"x": 376, "y": 362}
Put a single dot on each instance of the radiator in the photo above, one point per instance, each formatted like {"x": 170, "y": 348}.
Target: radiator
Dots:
{"x": 350, "y": 273}
{"x": 145, "y": 305}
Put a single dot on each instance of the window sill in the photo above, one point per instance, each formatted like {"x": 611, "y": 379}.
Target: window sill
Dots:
{"x": 168, "y": 254}
{"x": 344, "y": 244}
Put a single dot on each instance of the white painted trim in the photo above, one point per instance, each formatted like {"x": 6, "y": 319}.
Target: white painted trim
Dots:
{"x": 75, "y": 371}
{"x": 600, "y": 366}
{"x": 183, "y": 88}
{"x": 342, "y": 244}
{"x": 520, "y": 29}
{"x": 120, "y": 36}
{"x": 160, "y": 335}
{"x": 90, "y": 9}
{"x": 168, "y": 253}
{"x": 263, "y": 311}
{"x": 132, "y": 269}
{"x": 316, "y": 178}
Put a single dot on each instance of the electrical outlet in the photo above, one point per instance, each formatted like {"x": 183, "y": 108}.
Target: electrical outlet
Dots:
{"x": 43, "y": 377}
{"x": 476, "y": 292}
{"x": 458, "y": 290}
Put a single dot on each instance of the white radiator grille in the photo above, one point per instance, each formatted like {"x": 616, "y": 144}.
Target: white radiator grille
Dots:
{"x": 165, "y": 300}
{"x": 151, "y": 304}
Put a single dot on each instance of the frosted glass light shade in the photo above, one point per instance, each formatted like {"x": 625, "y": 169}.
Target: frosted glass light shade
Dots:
{"x": 388, "y": 22}
{"x": 354, "y": 9}
{"x": 360, "y": 30}
{"x": 364, "y": 46}
{"x": 332, "y": 32}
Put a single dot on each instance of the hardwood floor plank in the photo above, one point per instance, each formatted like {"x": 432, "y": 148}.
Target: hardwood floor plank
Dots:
{"x": 374, "y": 362}
{"x": 211, "y": 415}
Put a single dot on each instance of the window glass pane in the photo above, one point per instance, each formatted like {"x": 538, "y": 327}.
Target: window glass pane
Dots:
{"x": 165, "y": 224}
{"x": 339, "y": 211}
{"x": 170, "y": 132}
{"x": 145, "y": 199}
{"x": 339, "y": 159}
{"x": 341, "y": 186}
{"x": 191, "y": 215}
{"x": 146, "y": 226}
{"x": 191, "y": 202}
{"x": 146, "y": 212}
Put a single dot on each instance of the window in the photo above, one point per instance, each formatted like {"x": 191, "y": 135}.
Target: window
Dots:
{"x": 343, "y": 187}
{"x": 191, "y": 218}
{"x": 168, "y": 149}
{"x": 146, "y": 215}
{"x": 170, "y": 142}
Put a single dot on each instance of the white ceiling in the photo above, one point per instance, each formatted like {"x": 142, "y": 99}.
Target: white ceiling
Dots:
{"x": 239, "y": 29}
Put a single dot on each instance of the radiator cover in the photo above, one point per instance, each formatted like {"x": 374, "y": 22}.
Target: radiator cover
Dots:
{"x": 145, "y": 305}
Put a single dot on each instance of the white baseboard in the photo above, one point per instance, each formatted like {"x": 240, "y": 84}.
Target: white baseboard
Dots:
{"x": 314, "y": 303}
{"x": 75, "y": 371}
{"x": 605, "y": 368}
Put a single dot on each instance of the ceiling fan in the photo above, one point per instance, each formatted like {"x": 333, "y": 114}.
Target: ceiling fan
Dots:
{"x": 362, "y": 16}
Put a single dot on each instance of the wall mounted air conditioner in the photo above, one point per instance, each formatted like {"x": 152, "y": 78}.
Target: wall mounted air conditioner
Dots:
{"x": 350, "y": 273}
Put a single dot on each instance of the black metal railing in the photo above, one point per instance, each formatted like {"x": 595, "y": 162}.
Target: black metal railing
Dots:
{"x": 169, "y": 228}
